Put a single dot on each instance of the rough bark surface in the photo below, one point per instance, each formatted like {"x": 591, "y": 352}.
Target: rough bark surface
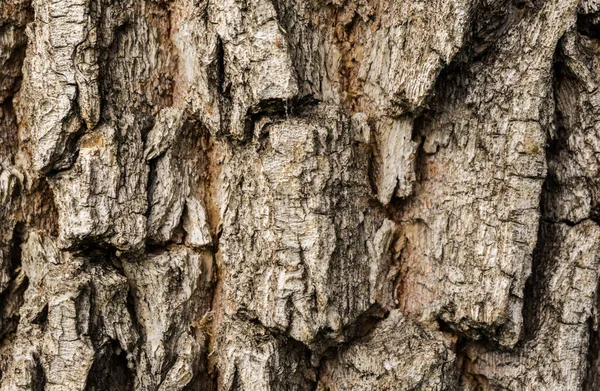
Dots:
{"x": 299, "y": 195}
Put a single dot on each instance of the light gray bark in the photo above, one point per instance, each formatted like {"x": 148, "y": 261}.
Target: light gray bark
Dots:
{"x": 299, "y": 195}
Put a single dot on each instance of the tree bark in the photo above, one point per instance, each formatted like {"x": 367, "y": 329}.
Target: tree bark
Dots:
{"x": 299, "y": 195}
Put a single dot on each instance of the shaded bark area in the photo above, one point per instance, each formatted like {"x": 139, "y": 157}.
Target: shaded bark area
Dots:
{"x": 299, "y": 195}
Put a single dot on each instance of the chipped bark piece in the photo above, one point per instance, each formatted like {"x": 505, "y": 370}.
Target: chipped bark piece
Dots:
{"x": 60, "y": 328}
{"x": 14, "y": 15}
{"x": 299, "y": 231}
{"x": 168, "y": 126}
{"x": 471, "y": 225}
{"x": 397, "y": 354}
{"x": 573, "y": 190}
{"x": 61, "y": 79}
{"x": 566, "y": 291}
{"x": 312, "y": 53}
{"x": 102, "y": 198}
{"x": 177, "y": 281}
{"x": 176, "y": 153}
{"x": 404, "y": 56}
{"x": 198, "y": 87}
{"x": 257, "y": 64}
{"x": 195, "y": 223}
{"x": 168, "y": 189}
{"x": 397, "y": 155}
{"x": 254, "y": 359}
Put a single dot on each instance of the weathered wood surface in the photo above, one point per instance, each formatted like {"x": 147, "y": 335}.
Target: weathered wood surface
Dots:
{"x": 299, "y": 195}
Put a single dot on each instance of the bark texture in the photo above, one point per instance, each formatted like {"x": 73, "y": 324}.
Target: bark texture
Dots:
{"x": 299, "y": 195}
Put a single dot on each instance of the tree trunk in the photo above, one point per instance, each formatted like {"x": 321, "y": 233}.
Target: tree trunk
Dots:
{"x": 299, "y": 195}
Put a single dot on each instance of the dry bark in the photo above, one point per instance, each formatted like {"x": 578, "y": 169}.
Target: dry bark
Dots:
{"x": 299, "y": 195}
